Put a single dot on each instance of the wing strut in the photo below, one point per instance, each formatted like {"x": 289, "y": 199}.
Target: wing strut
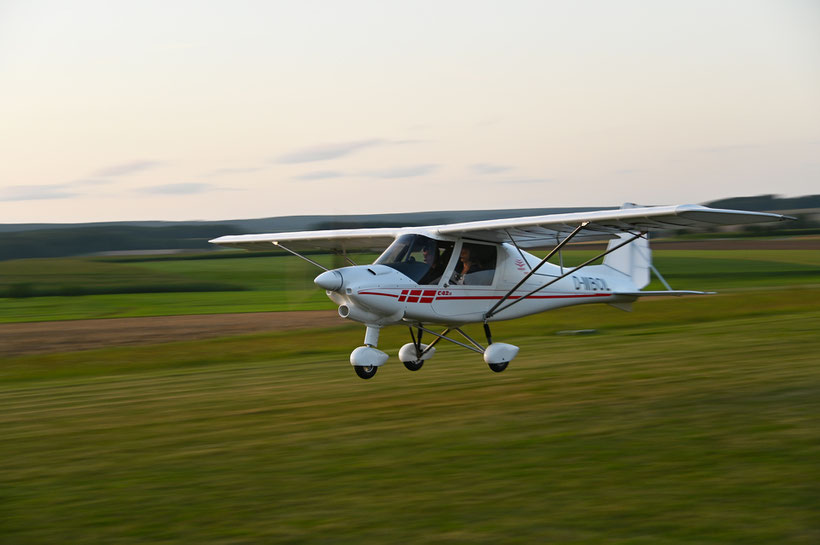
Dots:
{"x": 300, "y": 256}
{"x": 534, "y": 269}
{"x": 492, "y": 312}
{"x": 346, "y": 257}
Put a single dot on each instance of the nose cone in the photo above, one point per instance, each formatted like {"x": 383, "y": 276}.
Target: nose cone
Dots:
{"x": 329, "y": 280}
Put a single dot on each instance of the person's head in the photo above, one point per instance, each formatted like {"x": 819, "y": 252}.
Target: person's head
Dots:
{"x": 465, "y": 254}
{"x": 429, "y": 253}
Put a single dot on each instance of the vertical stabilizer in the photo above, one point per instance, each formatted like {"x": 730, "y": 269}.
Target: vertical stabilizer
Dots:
{"x": 633, "y": 260}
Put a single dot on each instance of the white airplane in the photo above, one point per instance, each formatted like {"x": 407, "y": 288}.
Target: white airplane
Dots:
{"x": 479, "y": 272}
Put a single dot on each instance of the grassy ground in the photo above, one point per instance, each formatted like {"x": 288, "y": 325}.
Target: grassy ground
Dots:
{"x": 286, "y": 283}
{"x": 687, "y": 421}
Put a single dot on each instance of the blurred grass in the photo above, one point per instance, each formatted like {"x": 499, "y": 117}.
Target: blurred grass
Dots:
{"x": 73, "y": 277}
{"x": 687, "y": 421}
{"x": 274, "y": 283}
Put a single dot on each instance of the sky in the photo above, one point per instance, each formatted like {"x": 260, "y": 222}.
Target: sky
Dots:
{"x": 209, "y": 110}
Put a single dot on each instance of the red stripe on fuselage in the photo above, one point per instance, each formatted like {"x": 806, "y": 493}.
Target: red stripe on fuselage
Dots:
{"x": 377, "y": 293}
{"x": 427, "y": 299}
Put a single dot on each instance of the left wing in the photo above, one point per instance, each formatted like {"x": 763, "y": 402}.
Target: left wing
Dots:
{"x": 330, "y": 239}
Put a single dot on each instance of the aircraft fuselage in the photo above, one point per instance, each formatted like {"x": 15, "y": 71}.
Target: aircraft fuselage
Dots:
{"x": 378, "y": 294}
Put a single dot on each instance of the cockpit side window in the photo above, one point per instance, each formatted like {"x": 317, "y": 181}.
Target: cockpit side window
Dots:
{"x": 421, "y": 258}
{"x": 476, "y": 265}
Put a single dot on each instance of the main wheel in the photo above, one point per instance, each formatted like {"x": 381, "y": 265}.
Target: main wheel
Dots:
{"x": 498, "y": 367}
{"x": 365, "y": 372}
{"x": 413, "y": 365}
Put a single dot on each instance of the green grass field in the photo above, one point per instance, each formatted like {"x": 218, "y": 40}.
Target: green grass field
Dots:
{"x": 286, "y": 283}
{"x": 686, "y": 421}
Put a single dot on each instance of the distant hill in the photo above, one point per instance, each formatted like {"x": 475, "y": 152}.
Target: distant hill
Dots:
{"x": 303, "y": 223}
{"x": 768, "y": 203}
{"x": 92, "y": 239}
{"x": 70, "y": 239}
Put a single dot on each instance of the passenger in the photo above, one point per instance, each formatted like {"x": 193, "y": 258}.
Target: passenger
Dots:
{"x": 466, "y": 265}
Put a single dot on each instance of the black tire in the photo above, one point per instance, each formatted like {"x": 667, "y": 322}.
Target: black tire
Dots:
{"x": 365, "y": 372}
{"x": 413, "y": 365}
{"x": 498, "y": 367}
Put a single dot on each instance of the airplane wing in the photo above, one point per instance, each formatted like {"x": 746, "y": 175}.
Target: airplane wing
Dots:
{"x": 545, "y": 231}
{"x": 528, "y": 232}
{"x": 331, "y": 239}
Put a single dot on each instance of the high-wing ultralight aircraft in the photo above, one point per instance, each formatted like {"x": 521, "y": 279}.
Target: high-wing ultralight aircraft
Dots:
{"x": 479, "y": 272}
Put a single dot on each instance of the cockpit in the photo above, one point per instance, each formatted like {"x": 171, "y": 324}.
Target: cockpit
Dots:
{"x": 424, "y": 260}
{"x": 418, "y": 257}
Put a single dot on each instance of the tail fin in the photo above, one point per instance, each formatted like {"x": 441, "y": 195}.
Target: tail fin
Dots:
{"x": 633, "y": 260}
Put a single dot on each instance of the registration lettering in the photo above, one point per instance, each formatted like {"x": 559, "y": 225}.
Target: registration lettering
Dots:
{"x": 590, "y": 283}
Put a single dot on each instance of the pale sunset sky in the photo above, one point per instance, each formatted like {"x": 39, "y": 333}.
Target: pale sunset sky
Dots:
{"x": 206, "y": 110}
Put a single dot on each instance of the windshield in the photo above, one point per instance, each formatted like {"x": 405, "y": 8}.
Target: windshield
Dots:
{"x": 421, "y": 258}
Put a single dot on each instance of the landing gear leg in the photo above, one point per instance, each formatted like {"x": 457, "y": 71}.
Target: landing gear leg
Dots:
{"x": 498, "y": 355}
{"x": 367, "y": 359}
{"x": 414, "y": 354}
{"x": 415, "y": 363}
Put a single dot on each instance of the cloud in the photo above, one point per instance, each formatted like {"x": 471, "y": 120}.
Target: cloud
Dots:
{"x": 728, "y": 149}
{"x": 329, "y": 151}
{"x": 231, "y": 171}
{"x": 402, "y": 172}
{"x": 36, "y": 192}
{"x": 486, "y": 168}
{"x": 185, "y": 188}
{"x": 90, "y": 181}
{"x": 528, "y": 181}
{"x": 320, "y": 175}
{"x": 125, "y": 169}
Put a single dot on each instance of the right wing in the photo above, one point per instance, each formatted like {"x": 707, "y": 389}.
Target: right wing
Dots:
{"x": 546, "y": 231}
{"x": 528, "y": 232}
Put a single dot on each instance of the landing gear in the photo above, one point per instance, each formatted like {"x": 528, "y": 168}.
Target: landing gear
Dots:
{"x": 367, "y": 359}
{"x": 498, "y": 367}
{"x": 366, "y": 372}
{"x": 413, "y": 365}
{"x": 498, "y": 355}
{"x": 414, "y": 354}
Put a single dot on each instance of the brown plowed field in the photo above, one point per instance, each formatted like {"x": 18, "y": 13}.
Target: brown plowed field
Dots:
{"x": 71, "y": 335}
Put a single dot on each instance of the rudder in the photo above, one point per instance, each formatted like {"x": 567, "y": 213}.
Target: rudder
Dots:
{"x": 634, "y": 259}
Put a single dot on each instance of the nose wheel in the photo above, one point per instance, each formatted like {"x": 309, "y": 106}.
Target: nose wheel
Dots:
{"x": 366, "y": 372}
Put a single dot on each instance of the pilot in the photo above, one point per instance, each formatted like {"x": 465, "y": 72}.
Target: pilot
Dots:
{"x": 431, "y": 258}
{"x": 429, "y": 253}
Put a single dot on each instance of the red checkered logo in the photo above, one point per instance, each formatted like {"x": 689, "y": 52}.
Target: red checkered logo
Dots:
{"x": 417, "y": 296}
